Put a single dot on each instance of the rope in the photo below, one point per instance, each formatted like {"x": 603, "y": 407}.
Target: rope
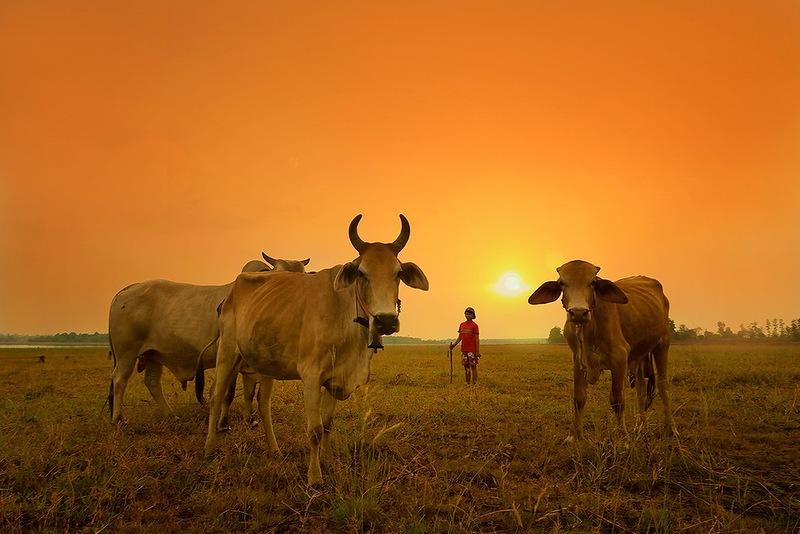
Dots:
{"x": 581, "y": 354}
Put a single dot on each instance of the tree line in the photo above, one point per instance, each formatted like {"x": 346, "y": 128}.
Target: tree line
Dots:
{"x": 773, "y": 330}
{"x": 63, "y": 337}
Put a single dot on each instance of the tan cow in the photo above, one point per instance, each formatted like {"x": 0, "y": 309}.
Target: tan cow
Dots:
{"x": 159, "y": 323}
{"x": 320, "y": 328}
{"x": 618, "y": 326}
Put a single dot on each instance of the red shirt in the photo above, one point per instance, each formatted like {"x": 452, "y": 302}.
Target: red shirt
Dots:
{"x": 469, "y": 336}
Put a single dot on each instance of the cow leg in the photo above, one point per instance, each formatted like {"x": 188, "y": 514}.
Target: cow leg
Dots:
{"x": 230, "y": 394}
{"x": 119, "y": 381}
{"x": 265, "y": 407}
{"x": 328, "y": 406}
{"x": 619, "y": 372}
{"x": 578, "y": 400}
{"x": 641, "y": 391}
{"x": 312, "y": 394}
{"x": 152, "y": 379}
{"x": 226, "y": 373}
{"x": 249, "y": 389}
{"x": 660, "y": 356}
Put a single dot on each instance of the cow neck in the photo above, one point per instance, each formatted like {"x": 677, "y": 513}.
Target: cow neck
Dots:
{"x": 586, "y": 338}
{"x": 580, "y": 358}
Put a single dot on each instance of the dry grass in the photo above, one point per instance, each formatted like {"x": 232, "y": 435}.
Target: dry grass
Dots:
{"x": 411, "y": 453}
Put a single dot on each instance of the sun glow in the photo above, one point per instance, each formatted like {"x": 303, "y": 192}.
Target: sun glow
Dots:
{"x": 510, "y": 284}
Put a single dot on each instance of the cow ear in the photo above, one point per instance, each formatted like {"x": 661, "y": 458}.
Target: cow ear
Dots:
{"x": 608, "y": 291}
{"x": 346, "y": 276}
{"x": 305, "y": 261}
{"x": 412, "y": 276}
{"x": 547, "y": 292}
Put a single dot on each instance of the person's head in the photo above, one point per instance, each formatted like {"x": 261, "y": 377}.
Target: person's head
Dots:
{"x": 469, "y": 313}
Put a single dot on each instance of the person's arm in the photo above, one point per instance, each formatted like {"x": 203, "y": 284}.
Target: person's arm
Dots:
{"x": 456, "y": 342}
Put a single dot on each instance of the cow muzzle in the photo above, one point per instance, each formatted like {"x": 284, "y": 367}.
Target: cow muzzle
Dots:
{"x": 386, "y": 323}
{"x": 578, "y": 315}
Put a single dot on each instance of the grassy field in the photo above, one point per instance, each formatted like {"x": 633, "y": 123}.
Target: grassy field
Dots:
{"x": 411, "y": 452}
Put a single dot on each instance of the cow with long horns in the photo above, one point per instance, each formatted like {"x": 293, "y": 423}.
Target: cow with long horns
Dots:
{"x": 620, "y": 326}
{"x": 317, "y": 328}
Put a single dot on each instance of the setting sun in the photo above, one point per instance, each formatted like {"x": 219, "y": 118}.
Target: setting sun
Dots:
{"x": 510, "y": 284}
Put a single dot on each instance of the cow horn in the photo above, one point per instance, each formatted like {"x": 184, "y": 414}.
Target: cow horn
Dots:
{"x": 405, "y": 233}
{"x": 268, "y": 259}
{"x": 357, "y": 242}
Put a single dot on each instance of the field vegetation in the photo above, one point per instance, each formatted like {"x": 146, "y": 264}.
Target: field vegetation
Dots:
{"x": 411, "y": 452}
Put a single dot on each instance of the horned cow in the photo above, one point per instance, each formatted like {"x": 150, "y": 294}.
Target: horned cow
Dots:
{"x": 320, "y": 328}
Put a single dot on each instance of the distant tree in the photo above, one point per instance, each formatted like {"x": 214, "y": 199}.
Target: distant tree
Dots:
{"x": 742, "y": 332}
{"x": 724, "y": 331}
{"x": 755, "y": 331}
{"x": 793, "y": 330}
{"x": 555, "y": 336}
{"x": 671, "y": 328}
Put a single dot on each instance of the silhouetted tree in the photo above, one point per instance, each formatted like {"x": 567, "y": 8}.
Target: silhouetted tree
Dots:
{"x": 724, "y": 331}
{"x": 555, "y": 335}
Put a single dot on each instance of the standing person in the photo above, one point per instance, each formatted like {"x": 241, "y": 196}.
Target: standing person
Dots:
{"x": 470, "y": 345}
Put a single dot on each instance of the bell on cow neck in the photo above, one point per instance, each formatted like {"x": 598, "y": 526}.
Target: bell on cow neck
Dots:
{"x": 375, "y": 342}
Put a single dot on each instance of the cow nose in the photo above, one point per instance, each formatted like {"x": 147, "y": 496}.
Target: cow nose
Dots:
{"x": 578, "y": 315}
{"x": 386, "y": 323}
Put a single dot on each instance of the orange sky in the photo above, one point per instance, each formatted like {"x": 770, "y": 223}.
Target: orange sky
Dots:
{"x": 178, "y": 139}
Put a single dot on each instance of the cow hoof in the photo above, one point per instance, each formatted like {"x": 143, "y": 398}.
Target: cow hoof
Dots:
{"x": 224, "y": 429}
{"x": 210, "y": 451}
{"x": 122, "y": 422}
{"x": 252, "y": 421}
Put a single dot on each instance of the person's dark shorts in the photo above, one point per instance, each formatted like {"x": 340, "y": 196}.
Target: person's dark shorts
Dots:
{"x": 469, "y": 359}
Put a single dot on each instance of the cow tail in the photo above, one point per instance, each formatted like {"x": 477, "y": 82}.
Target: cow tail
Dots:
{"x": 650, "y": 372}
{"x": 200, "y": 375}
{"x": 111, "y": 386}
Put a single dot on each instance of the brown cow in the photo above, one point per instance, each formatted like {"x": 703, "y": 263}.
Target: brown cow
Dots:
{"x": 158, "y": 323}
{"x": 320, "y": 328}
{"x": 612, "y": 325}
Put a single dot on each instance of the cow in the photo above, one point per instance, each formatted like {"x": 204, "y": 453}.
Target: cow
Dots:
{"x": 159, "y": 323}
{"x": 320, "y": 328}
{"x": 621, "y": 326}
